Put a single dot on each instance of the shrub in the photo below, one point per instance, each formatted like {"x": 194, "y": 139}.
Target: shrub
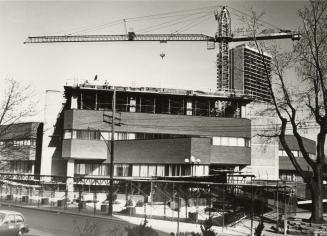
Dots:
{"x": 141, "y": 230}
{"x": 140, "y": 204}
{"x": 129, "y": 203}
{"x": 206, "y": 228}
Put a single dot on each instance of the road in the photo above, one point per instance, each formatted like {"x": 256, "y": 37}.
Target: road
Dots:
{"x": 44, "y": 223}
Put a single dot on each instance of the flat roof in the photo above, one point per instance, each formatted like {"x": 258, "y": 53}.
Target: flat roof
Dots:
{"x": 231, "y": 93}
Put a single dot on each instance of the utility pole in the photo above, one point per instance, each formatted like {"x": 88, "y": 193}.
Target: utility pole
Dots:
{"x": 112, "y": 153}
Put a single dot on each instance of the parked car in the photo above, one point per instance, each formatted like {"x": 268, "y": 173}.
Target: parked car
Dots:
{"x": 12, "y": 223}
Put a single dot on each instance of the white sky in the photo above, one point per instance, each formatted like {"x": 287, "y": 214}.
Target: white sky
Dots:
{"x": 187, "y": 65}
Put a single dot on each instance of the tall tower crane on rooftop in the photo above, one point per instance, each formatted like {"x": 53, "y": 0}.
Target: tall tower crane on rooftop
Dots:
{"x": 222, "y": 37}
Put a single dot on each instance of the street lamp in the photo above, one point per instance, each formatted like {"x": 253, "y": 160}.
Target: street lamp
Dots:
{"x": 192, "y": 160}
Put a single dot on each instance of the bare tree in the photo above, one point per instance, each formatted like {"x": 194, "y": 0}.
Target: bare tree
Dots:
{"x": 17, "y": 103}
{"x": 306, "y": 103}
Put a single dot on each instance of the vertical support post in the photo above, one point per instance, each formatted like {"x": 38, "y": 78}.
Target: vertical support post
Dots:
{"x": 66, "y": 198}
{"x": 178, "y": 212}
{"x": 285, "y": 214}
{"x": 79, "y": 199}
{"x": 81, "y": 103}
{"x": 140, "y": 103}
{"x": 94, "y": 202}
{"x": 127, "y": 104}
{"x": 112, "y": 153}
{"x": 252, "y": 213}
{"x": 38, "y": 199}
{"x": 223, "y": 200}
{"x": 154, "y": 105}
{"x": 173, "y": 198}
{"x": 183, "y": 107}
{"x": 1, "y": 193}
{"x": 96, "y": 101}
{"x": 126, "y": 191}
{"x": 169, "y": 106}
{"x": 277, "y": 205}
{"x": 209, "y": 108}
{"x": 165, "y": 200}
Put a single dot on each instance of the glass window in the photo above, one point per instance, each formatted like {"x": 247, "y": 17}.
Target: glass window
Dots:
{"x": 121, "y": 170}
{"x": 88, "y": 169}
{"x": 135, "y": 170}
{"x": 233, "y": 141}
{"x": 11, "y": 218}
{"x": 152, "y": 170}
{"x": 216, "y": 141}
{"x": 68, "y": 134}
{"x": 33, "y": 142}
{"x": 82, "y": 169}
{"x": 241, "y": 142}
{"x": 131, "y": 136}
{"x": 19, "y": 219}
{"x": 160, "y": 170}
{"x": 144, "y": 170}
{"x": 104, "y": 135}
{"x": 82, "y": 134}
{"x": 104, "y": 170}
{"x": 295, "y": 153}
{"x": 224, "y": 141}
{"x": 94, "y": 135}
{"x": 74, "y": 134}
{"x": 95, "y": 169}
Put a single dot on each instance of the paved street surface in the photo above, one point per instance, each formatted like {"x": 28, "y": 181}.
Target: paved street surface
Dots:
{"x": 43, "y": 223}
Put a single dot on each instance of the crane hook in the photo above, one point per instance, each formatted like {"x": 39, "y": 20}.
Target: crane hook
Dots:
{"x": 163, "y": 49}
{"x": 162, "y": 55}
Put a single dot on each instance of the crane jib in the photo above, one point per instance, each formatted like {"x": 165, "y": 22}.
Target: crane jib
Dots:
{"x": 131, "y": 36}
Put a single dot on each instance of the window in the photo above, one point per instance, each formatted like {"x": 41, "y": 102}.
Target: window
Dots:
{"x": 74, "y": 134}
{"x": 81, "y": 169}
{"x": 104, "y": 135}
{"x": 136, "y": 170}
{"x": 224, "y": 141}
{"x": 121, "y": 170}
{"x": 11, "y": 218}
{"x": 95, "y": 170}
{"x": 295, "y": 153}
{"x": 144, "y": 170}
{"x": 82, "y": 134}
{"x": 94, "y": 135}
{"x": 231, "y": 141}
{"x": 68, "y": 134}
{"x": 152, "y": 170}
{"x": 19, "y": 219}
{"x": 160, "y": 170}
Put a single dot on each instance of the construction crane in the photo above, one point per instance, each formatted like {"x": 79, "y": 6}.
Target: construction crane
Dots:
{"x": 222, "y": 37}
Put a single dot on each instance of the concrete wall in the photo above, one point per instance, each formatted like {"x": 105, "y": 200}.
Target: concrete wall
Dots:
{"x": 160, "y": 123}
{"x": 264, "y": 151}
{"x": 53, "y": 105}
{"x": 160, "y": 151}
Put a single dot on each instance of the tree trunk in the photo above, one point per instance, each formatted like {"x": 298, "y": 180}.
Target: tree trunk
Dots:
{"x": 316, "y": 190}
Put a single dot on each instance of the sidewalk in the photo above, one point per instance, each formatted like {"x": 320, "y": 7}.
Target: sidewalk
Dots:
{"x": 166, "y": 226}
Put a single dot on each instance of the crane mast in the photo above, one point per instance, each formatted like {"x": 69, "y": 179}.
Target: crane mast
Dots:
{"x": 225, "y": 34}
{"x": 222, "y": 37}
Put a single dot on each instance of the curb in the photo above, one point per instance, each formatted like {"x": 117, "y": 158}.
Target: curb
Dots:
{"x": 64, "y": 212}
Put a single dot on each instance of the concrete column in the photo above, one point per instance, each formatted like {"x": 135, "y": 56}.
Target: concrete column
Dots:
{"x": 70, "y": 175}
{"x": 52, "y": 107}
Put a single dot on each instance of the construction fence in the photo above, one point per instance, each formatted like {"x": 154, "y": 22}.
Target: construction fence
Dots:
{"x": 173, "y": 200}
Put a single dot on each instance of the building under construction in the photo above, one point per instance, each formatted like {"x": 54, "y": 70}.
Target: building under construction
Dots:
{"x": 158, "y": 132}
